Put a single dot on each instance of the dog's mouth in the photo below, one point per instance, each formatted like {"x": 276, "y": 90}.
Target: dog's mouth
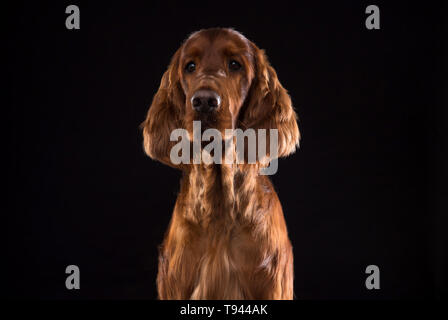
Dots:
{"x": 208, "y": 121}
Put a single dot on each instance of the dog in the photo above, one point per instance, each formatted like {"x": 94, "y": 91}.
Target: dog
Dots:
{"x": 227, "y": 238}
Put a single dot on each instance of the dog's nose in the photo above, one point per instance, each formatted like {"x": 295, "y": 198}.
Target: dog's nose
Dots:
{"x": 205, "y": 101}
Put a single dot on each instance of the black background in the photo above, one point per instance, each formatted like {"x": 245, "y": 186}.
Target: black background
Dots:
{"x": 364, "y": 188}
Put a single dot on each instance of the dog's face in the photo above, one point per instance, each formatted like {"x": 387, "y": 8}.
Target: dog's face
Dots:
{"x": 216, "y": 74}
{"x": 224, "y": 80}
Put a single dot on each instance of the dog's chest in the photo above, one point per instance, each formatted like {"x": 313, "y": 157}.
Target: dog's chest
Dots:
{"x": 227, "y": 259}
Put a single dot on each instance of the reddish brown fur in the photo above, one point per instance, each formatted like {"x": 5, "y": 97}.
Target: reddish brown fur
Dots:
{"x": 227, "y": 238}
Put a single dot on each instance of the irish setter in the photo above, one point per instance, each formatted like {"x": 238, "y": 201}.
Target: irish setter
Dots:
{"x": 227, "y": 238}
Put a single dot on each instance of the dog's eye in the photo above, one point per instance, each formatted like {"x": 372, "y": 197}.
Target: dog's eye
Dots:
{"x": 234, "y": 65}
{"x": 190, "y": 67}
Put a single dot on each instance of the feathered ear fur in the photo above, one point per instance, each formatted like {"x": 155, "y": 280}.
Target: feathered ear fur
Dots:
{"x": 268, "y": 106}
{"x": 165, "y": 114}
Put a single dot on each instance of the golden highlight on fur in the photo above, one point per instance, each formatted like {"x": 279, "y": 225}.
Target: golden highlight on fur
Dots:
{"x": 227, "y": 238}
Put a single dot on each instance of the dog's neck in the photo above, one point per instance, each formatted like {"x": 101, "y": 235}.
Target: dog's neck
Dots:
{"x": 220, "y": 192}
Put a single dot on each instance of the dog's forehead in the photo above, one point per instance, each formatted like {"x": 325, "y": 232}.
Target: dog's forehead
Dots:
{"x": 212, "y": 37}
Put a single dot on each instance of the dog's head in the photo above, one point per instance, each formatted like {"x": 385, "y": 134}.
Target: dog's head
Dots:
{"x": 224, "y": 80}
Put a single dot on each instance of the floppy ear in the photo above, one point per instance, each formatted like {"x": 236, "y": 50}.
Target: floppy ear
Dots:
{"x": 268, "y": 106}
{"x": 165, "y": 114}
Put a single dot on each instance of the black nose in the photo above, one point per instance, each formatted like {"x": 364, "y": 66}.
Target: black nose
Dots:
{"x": 205, "y": 100}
